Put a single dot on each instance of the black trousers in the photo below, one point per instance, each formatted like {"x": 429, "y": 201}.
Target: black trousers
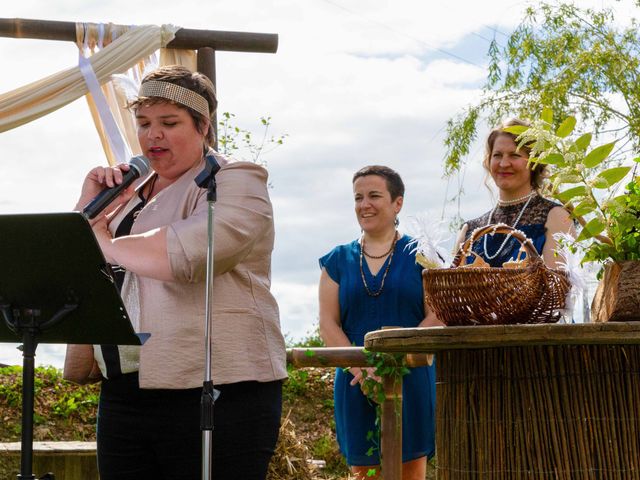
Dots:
{"x": 156, "y": 433}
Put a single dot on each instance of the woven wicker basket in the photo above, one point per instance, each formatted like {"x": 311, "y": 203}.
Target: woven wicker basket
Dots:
{"x": 525, "y": 291}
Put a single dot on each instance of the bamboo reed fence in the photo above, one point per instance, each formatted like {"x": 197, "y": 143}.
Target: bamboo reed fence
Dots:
{"x": 562, "y": 412}
{"x": 560, "y": 402}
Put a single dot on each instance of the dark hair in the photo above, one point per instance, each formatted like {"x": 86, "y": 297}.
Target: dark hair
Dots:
{"x": 194, "y": 81}
{"x": 538, "y": 172}
{"x": 391, "y": 177}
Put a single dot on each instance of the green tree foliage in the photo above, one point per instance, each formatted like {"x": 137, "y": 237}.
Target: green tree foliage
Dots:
{"x": 575, "y": 61}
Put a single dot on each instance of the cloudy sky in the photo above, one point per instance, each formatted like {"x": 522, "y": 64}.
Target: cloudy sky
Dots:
{"x": 354, "y": 82}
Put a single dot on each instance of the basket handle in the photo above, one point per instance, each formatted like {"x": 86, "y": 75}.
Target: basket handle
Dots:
{"x": 525, "y": 242}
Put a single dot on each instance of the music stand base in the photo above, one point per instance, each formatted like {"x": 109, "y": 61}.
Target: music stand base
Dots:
{"x": 26, "y": 321}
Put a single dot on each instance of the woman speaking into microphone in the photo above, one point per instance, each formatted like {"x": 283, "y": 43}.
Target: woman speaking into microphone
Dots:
{"x": 156, "y": 239}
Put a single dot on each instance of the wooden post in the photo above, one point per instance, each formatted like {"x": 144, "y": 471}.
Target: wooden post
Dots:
{"x": 207, "y": 66}
{"x": 391, "y": 428}
{"x": 391, "y": 425}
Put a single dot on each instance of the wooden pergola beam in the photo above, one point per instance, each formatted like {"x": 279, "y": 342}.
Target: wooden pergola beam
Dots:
{"x": 185, "y": 38}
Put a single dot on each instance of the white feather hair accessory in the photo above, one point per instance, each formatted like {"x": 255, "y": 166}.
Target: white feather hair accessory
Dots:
{"x": 128, "y": 84}
{"x": 429, "y": 237}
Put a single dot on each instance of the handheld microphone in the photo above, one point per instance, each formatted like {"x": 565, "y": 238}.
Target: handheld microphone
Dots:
{"x": 139, "y": 166}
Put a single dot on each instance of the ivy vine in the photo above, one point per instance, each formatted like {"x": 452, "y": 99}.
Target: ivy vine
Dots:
{"x": 394, "y": 367}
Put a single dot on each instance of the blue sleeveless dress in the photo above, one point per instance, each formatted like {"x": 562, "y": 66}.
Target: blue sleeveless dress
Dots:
{"x": 399, "y": 304}
{"x": 532, "y": 224}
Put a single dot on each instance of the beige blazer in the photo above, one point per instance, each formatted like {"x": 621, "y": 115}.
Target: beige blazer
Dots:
{"x": 247, "y": 343}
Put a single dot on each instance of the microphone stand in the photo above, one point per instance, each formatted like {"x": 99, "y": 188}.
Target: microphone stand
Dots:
{"x": 206, "y": 179}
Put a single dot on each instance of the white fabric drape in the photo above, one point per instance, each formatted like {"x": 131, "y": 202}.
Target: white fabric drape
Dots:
{"x": 114, "y": 124}
{"x": 39, "y": 98}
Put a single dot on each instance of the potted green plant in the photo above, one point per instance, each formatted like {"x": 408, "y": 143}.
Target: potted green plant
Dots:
{"x": 587, "y": 182}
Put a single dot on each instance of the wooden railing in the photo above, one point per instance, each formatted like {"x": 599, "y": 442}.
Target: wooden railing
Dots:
{"x": 391, "y": 422}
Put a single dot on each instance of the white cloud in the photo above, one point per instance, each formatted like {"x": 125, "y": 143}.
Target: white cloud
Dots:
{"x": 298, "y": 307}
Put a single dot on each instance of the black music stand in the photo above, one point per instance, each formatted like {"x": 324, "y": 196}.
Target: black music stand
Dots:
{"x": 55, "y": 287}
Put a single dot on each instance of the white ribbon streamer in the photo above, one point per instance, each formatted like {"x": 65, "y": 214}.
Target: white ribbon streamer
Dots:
{"x": 114, "y": 135}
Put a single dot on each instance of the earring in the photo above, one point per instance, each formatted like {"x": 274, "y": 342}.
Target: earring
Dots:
{"x": 396, "y": 222}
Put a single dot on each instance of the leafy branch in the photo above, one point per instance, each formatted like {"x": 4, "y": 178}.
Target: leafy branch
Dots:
{"x": 609, "y": 222}
{"x": 233, "y": 140}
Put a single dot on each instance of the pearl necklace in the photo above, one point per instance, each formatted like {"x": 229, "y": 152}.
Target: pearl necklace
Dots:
{"x": 486, "y": 253}
{"x": 515, "y": 201}
{"x": 386, "y": 270}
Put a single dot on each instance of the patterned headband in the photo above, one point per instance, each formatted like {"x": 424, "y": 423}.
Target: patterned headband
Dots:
{"x": 176, "y": 93}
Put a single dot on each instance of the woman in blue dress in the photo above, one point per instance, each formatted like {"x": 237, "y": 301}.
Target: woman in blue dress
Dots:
{"x": 519, "y": 205}
{"x": 365, "y": 285}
